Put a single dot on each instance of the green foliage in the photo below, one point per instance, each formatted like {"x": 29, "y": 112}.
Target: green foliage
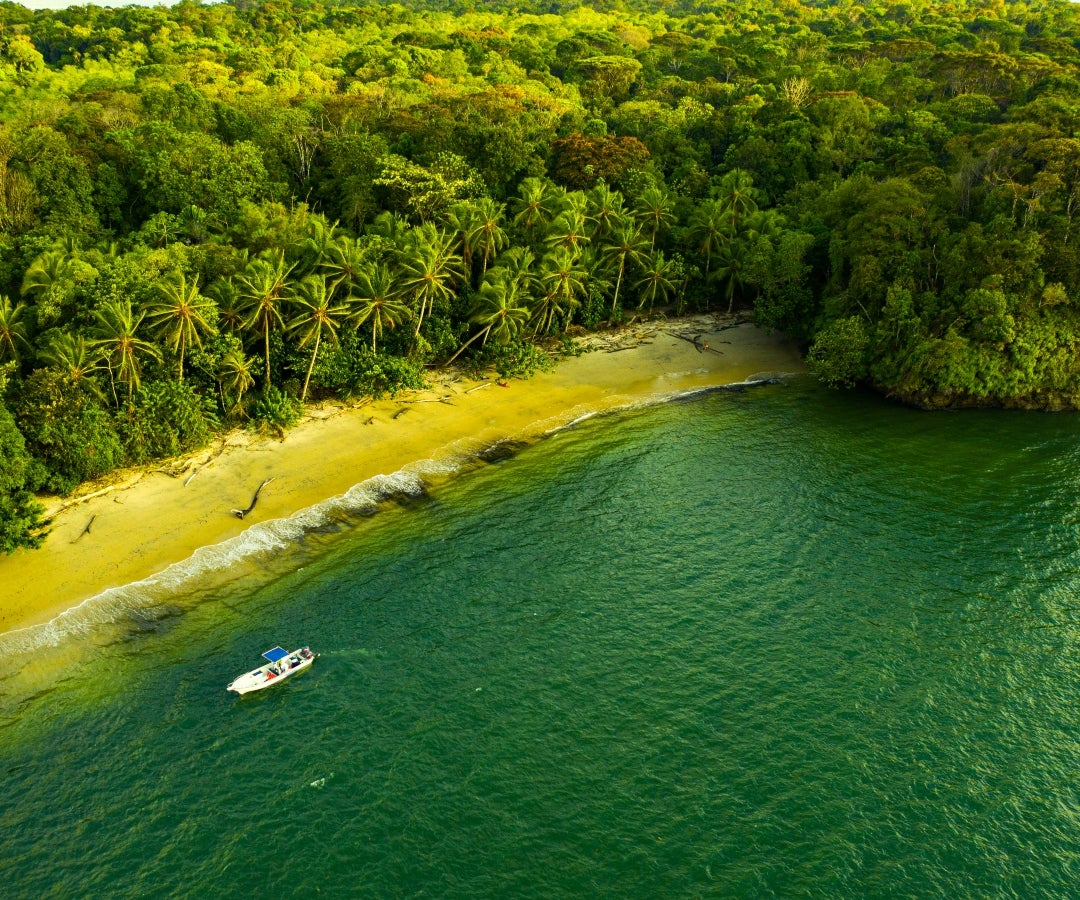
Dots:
{"x": 68, "y": 429}
{"x": 276, "y": 410}
{"x": 838, "y": 354}
{"x": 167, "y": 419}
{"x": 350, "y": 369}
{"x": 209, "y": 194}
{"x": 20, "y": 514}
{"x": 517, "y": 359}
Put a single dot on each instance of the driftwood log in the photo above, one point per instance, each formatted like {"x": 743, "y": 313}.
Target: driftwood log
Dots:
{"x": 240, "y": 513}
{"x": 698, "y": 343}
{"x": 86, "y": 530}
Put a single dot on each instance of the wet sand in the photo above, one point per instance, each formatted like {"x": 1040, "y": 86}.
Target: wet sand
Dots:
{"x": 144, "y": 520}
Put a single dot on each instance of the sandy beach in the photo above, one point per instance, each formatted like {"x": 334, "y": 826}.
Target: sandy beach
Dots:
{"x": 144, "y": 520}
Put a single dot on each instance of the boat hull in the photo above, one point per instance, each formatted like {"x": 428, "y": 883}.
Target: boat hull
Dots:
{"x": 272, "y": 673}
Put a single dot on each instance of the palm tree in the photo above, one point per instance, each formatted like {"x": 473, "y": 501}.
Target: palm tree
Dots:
{"x": 462, "y": 218}
{"x": 234, "y": 376}
{"x": 518, "y": 263}
{"x": 655, "y": 210}
{"x": 12, "y": 327}
{"x": 316, "y": 243}
{"x": 345, "y": 259}
{"x": 45, "y": 281}
{"x": 573, "y": 202}
{"x": 737, "y": 195}
{"x": 389, "y": 226}
{"x": 376, "y": 301}
{"x": 428, "y": 267}
{"x": 568, "y": 230}
{"x": 120, "y": 344}
{"x": 318, "y": 318}
{"x": 182, "y": 316}
{"x": 763, "y": 223}
{"x": 536, "y": 204}
{"x": 626, "y": 246}
{"x": 195, "y": 224}
{"x": 74, "y": 359}
{"x": 605, "y": 210}
{"x": 487, "y": 235}
{"x": 709, "y": 227}
{"x": 563, "y": 281}
{"x": 501, "y": 310}
{"x": 656, "y": 281}
{"x": 730, "y": 269}
{"x": 225, "y": 294}
{"x": 263, "y": 291}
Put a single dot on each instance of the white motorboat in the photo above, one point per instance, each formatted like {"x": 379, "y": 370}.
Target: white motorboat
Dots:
{"x": 282, "y": 665}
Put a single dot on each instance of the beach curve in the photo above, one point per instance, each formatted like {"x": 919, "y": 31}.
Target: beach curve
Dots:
{"x": 148, "y": 527}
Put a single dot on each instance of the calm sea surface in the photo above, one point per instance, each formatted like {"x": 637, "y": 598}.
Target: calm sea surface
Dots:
{"x": 774, "y": 642}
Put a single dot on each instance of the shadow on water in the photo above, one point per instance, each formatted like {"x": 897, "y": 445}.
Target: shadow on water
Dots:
{"x": 782, "y": 642}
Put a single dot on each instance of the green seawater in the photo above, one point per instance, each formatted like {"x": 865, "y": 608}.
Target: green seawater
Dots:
{"x": 773, "y": 642}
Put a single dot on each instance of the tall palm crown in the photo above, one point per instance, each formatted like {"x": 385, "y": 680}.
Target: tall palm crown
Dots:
{"x": 117, "y": 337}
{"x": 74, "y": 358}
{"x": 605, "y": 210}
{"x": 501, "y": 309}
{"x": 318, "y": 318}
{"x": 376, "y": 301}
{"x": 345, "y": 260}
{"x": 656, "y": 210}
{"x": 709, "y": 228}
{"x": 731, "y": 268}
{"x": 487, "y": 236}
{"x": 234, "y": 377}
{"x": 47, "y": 281}
{"x": 655, "y": 283}
{"x": 182, "y": 316}
{"x": 264, "y": 290}
{"x": 737, "y": 195}
{"x": 626, "y": 247}
{"x": 13, "y": 328}
{"x": 536, "y": 204}
{"x": 226, "y": 295}
{"x": 563, "y": 281}
{"x": 519, "y": 263}
{"x": 461, "y": 220}
{"x": 568, "y": 230}
{"x": 429, "y": 267}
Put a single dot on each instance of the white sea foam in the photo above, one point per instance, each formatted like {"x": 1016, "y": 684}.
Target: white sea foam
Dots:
{"x": 267, "y": 538}
{"x": 260, "y": 540}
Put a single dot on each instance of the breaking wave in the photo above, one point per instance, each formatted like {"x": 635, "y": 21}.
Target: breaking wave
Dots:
{"x": 146, "y": 602}
{"x": 137, "y": 601}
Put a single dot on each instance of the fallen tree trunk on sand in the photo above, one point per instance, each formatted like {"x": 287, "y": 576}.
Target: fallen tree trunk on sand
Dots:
{"x": 86, "y": 530}
{"x": 700, "y": 345}
{"x": 240, "y": 513}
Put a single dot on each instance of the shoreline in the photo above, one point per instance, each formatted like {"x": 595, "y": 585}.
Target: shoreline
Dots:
{"x": 142, "y": 521}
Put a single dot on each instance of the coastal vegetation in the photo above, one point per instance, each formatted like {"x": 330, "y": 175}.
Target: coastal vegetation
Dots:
{"x": 214, "y": 214}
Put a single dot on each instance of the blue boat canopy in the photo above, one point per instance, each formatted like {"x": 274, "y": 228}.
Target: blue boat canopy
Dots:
{"x": 276, "y": 654}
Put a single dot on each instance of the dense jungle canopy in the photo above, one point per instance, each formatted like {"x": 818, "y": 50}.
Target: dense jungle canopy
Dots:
{"x": 214, "y": 213}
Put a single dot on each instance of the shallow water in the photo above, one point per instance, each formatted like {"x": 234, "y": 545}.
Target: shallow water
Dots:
{"x": 778, "y": 641}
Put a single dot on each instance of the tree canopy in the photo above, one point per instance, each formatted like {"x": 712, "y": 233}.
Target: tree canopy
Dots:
{"x": 210, "y": 213}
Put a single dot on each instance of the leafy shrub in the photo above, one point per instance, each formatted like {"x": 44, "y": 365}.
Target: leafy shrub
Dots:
{"x": 68, "y": 429}
{"x": 515, "y": 360}
{"x": 350, "y": 369}
{"x": 839, "y": 354}
{"x": 168, "y": 418}
{"x": 20, "y": 515}
{"x": 276, "y": 410}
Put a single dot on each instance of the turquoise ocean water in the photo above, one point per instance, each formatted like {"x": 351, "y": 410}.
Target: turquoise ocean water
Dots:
{"x": 773, "y": 642}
